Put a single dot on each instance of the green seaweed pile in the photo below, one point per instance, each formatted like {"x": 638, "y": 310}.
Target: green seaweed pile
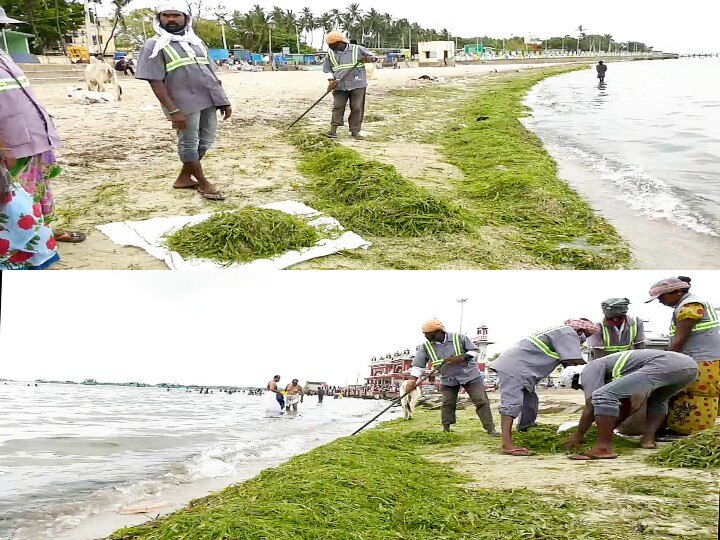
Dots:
{"x": 242, "y": 236}
{"x": 370, "y": 197}
{"x": 544, "y": 439}
{"x": 698, "y": 451}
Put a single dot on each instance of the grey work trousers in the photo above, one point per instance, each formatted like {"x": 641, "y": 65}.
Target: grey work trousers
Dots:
{"x": 357, "y": 108}
{"x": 199, "y": 135}
{"x": 660, "y": 387}
{"x": 476, "y": 392}
{"x": 516, "y": 400}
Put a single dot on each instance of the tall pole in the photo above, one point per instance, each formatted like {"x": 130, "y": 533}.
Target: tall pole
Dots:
{"x": 272, "y": 59}
{"x": 7, "y": 51}
{"x": 144, "y": 31}
{"x": 462, "y": 309}
{"x": 410, "y": 41}
{"x": 88, "y": 35}
{"x": 297, "y": 36}
{"x": 222, "y": 27}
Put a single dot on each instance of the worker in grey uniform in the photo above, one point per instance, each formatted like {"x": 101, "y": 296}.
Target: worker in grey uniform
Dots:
{"x": 521, "y": 367}
{"x": 345, "y": 64}
{"x": 181, "y": 75}
{"x": 610, "y": 382}
{"x": 618, "y": 331}
{"x": 458, "y": 357}
{"x": 695, "y": 331}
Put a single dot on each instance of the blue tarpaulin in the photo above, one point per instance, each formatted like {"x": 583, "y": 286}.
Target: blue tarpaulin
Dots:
{"x": 219, "y": 54}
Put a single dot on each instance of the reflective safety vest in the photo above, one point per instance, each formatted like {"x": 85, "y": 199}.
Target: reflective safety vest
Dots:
{"x": 337, "y": 66}
{"x": 609, "y": 347}
{"x": 710, "y": 320}
{"x": 437, "y": 362}
{"x": 14, "y": 84}
{"x": 620, "y": 364}
{"x": 177, "y": 61}
{"x": 535, "y": 340}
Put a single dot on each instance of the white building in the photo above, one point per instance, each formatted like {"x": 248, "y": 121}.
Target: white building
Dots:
{"x": 436, "y": 53}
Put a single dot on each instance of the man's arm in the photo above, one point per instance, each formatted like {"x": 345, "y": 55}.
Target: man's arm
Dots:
{"x": 179, "y": 120}
{"x": 586, "y": 420}
{"x": 683, "y": 330}
{"x": 366, "y": 56}
{"x": 327, "y": 68}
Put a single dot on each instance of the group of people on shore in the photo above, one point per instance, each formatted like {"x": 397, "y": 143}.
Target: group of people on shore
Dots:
{"x": 182, "y": 76}
{"x": 683, "y": 380}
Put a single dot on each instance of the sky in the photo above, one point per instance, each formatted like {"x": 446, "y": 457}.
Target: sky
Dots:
{"x": 223, "y": 328}
{"x": 690, "y": 26}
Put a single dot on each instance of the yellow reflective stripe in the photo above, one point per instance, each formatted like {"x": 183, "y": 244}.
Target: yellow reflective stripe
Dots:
{"x": 457, "y": 345}
{"x": 333, "y": 60}
{"x": 617, "y": 348}
{"x": 431, "y": 352}
{"x": 714, "y": 321}
{"x": 12, "y": 84}
{"x": 543, "y": 347}
{"x": 620, "y": 364}
{"x": 186, "y": 62}
{"x": 172, "y": 53}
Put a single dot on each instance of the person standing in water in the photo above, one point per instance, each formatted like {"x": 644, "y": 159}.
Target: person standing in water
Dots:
{"x": 273, "y": 387}
{"x": 601, "y": 69}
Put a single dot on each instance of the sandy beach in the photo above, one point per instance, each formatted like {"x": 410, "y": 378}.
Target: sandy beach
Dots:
{"x": 120, "y": 159}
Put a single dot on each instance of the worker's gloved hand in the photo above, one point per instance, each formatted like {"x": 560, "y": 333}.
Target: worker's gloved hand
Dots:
{"x": 457, "y": 359}
{"x": 369, "y": 59}
{"x": 332, "y": 85}
{"x": 437, "y": 364}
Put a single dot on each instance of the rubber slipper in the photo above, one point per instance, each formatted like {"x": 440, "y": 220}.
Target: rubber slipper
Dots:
{"x": 330, "y": 135}
{"x": 193, "y": 186}
{"x": 70, "y": 237}
{"x": 519, "y": 452}
{"x": 211, "y": 195}
{"x": 589, "y": 457}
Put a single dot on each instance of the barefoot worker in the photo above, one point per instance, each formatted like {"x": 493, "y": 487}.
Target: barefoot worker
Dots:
{"x": 293, "y": 395}
{"x": 341, "y": 58}
{"x": 610, "y": 382}
{"x": 176, "y": 64}
{"x": 460, "y": 370}
{"x": 521, "y": 367}
{"x": 618, "y": 330}
{"x": 695, "y": 331}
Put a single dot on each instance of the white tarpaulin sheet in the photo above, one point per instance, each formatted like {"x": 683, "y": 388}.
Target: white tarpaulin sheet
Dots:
{"x": 149, "y": 235}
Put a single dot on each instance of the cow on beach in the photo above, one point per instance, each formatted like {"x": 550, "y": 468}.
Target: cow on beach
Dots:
{"x": 408, "y": 402}
{"x": 98, "y": 75}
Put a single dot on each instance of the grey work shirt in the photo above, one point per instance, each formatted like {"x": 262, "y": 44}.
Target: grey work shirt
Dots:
{"x": 528, "y": 364}
{"x": 357, "y": 79}
{"x": 598, "y": 373}
{"x": 192, "y": 88}
{"x": 26, "y": 128}
{"x": 452, "y": 374}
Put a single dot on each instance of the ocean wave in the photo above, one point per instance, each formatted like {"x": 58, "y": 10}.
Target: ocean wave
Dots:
{"x": 640, "y": 191}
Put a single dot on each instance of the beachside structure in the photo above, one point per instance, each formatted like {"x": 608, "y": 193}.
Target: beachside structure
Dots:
{"x": 101, "y": 34}
{"x": 436, "y": 53}
{"x": 312, "y": 386}
{"x": 390, "y": 370}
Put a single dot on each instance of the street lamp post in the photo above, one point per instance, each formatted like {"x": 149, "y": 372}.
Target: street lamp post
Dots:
{"x": 222, "y": 27}
{"x": 272, "y": 59}
{"x": 297, "y": 36}
{"x": 461, "y": 301}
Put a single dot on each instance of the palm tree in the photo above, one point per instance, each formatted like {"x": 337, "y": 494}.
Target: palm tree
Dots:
{"x": 307, "y": 23}
{"x": 351, "y": 20}
{"x": 118, "y": 5}
{"x": 327, "y": 23}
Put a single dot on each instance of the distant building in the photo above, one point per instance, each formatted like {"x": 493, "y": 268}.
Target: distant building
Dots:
{"x": 101, "y": 33}
{"x": 391, "y": 370}
{"x": 436, "y": 53}
{"x": 312, "y": 386}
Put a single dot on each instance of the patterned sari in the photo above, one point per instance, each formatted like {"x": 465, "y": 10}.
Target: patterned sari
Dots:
{"x": 26, "y": 211}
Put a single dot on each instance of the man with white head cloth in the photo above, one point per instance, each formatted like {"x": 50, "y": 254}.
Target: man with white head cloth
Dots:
{"x": 521, "y": 367}
{"x": 176, "y": 64}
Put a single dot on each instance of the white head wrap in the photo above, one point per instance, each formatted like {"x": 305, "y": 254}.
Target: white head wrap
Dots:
{"x": 187, "y": 38}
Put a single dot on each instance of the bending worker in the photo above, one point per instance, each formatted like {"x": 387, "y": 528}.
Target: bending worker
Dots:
{"x": 345, "y": 63}
{"x": 459, "y": 370}
{"x": 181, "y": 75}
{"x": 695, "y": 331}
{"x": 610, "y": 382}
{"x": 618, "y": 331}
{"x": 521, "y": 367}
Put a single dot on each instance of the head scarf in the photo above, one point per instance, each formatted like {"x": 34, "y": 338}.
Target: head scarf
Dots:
{"x": 432, "y": 325}
{"x": 667, "y": 285}
{"x": 615, "y": 307}
{"x": 583, "y": 324}
{"x": 187, "y": 38}
{"x": 336, "y": 37}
